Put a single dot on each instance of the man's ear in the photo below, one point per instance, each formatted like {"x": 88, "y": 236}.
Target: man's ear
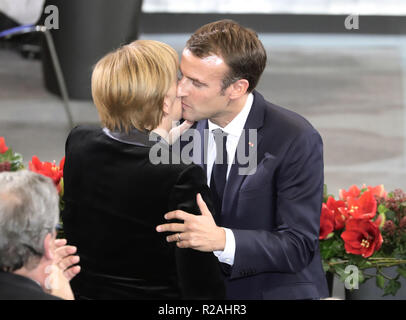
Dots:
{"x": 49, "y": 246}
{"x": 239, "y": 88}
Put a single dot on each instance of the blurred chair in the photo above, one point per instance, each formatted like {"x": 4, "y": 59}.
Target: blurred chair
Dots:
{"x": 26, "y": 29}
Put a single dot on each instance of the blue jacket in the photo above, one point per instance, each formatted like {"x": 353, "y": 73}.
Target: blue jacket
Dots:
{"x": 274, "y": 213}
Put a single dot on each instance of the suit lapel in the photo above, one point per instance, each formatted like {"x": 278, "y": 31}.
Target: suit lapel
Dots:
{"x": 236, "y": 176}
{"x": 200, "y": 157}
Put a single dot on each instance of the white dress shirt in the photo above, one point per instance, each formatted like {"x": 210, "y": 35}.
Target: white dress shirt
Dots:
{"x": 234, "y": 130}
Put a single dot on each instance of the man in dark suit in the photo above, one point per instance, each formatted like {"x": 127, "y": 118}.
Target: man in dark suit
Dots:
{"x": 269, "y": 191}
{"x": 33, "y": 265}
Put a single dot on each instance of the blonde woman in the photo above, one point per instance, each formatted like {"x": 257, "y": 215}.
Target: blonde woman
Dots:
{"x": 115, "y": 196}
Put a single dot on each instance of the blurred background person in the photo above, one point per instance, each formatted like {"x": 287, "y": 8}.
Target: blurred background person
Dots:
{"x": 33, "y": 265}
{"x": 19, "y": 12}
{"x": 115, "y": 196}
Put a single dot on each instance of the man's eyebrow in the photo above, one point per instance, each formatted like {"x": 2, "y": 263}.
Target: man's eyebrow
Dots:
{"x": 194, "y": 79}
{"x": 197, "y": 80}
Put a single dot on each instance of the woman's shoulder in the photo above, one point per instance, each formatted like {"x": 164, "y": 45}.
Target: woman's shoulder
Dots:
{"x": 81, "y": 131}
{"x": 189, "y": 172}
{"x": 86, "y": 136}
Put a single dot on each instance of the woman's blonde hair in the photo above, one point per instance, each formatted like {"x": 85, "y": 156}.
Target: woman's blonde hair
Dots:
{"x": 129, "y": 84}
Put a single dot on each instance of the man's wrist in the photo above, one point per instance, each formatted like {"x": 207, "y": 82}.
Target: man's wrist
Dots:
{"x": 221, "y": 242}
{"x": 227, "y": 254}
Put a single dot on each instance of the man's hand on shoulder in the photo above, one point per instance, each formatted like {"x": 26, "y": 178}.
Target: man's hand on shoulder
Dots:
{"x": 197, "y": 232}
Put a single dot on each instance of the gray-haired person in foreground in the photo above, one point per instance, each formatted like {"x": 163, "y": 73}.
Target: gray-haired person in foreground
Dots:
{"x": 33, "y": 264}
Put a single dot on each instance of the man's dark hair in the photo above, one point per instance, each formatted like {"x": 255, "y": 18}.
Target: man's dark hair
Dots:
{"x": 240, "y": 48}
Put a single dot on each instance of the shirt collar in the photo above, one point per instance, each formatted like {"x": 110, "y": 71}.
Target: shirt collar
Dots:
{"x": 236, "y": 125}
{"x": 135, "y": 137}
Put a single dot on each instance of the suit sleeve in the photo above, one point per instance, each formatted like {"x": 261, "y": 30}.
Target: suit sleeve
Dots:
{"x": 291, "y": 246}
{"x": 199, "y": 273}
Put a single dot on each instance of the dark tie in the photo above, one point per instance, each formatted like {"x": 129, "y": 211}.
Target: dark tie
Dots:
{"x": 219, "y": 172}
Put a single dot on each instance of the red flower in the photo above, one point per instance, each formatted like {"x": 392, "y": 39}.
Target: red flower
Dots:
{"x": 362, "y": 237}
{"x": 48, "y": 169}
{"x": 340, "y": 215}
{"x": 326, "y": 222}
{"x": 353, "y": 192}
{"x": 3, "y": 147}
{"x": 378, "y": 191}
{"x": 362, "y": 208}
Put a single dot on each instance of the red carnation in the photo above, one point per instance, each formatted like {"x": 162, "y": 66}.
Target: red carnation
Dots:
{"x": 362, "y": 237}
{"x": 326, "y": 222}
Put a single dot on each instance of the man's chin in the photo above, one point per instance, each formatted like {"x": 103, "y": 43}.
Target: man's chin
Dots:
{"x": 189, "y": 117}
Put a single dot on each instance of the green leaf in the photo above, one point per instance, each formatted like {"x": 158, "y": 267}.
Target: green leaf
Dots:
{"x": 331, "y": 248}
{"x": 392, "y": 287}
{"x": 363, "y": 190}
{"x": 17, "y": 157}
{"x": 341, "y": 273}
{"x": 390, "y": 215}
{"x": 382, "y": 208}
{"x": 380, "y": 281}
{"x": 361, "y": 276}
{"x": 8, "y": 154}
{"x": 326, "y": 266}
{"x": 402, "y": 271}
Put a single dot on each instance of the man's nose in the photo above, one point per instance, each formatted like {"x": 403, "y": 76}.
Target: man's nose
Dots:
{"x": 181, "y": 89}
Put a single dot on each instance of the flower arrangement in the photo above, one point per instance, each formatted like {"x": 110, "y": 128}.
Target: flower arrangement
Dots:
{"x": 49, "y": 169}
{"x": 366, "y": 228}
{"x": 10, "y": 161}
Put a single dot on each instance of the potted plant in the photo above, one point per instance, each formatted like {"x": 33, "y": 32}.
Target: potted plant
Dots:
{"x": 362, "y": 233}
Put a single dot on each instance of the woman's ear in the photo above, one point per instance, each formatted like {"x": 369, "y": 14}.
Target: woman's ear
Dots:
{"x": 166, "y": 106}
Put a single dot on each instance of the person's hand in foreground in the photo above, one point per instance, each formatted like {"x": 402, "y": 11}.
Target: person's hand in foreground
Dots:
{"x": 62, "y": 270}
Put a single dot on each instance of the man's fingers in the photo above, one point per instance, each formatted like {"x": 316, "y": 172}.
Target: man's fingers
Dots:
{"x": 178, "y": 237}
{"x": 173, "y": 227}
{"x": 185, "y": 126}
{"x": 176, "y": 132}
{"x": 178, "y": 214}
{"x": 203, "y": 206}
{"x": 67, "y": 262}
{"x": 71, "y": 272}
{"x": 64, "y": 251}
{"x": 183, "y": 244}
{"x": 60, "y": 242}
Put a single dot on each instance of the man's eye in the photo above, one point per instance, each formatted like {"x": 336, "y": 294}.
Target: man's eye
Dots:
{"x": 197, "y": 84}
